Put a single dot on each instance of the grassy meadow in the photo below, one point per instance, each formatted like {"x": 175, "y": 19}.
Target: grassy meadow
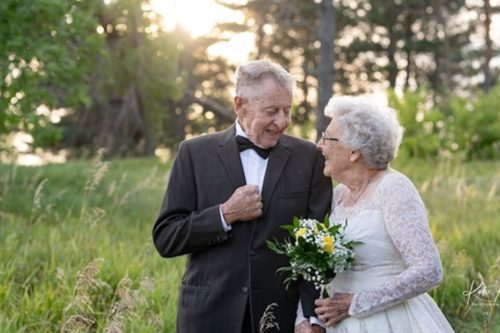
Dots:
{"x": 77, "y": 256}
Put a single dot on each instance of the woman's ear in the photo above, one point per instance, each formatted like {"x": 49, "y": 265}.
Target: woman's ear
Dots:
{"x": 354, "y": 156}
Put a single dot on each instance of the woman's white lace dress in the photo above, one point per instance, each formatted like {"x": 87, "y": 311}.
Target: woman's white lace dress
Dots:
{"x": 396, "y": 264}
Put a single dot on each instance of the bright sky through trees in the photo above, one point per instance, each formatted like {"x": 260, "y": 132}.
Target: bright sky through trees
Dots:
{"x": 199, "y": 17}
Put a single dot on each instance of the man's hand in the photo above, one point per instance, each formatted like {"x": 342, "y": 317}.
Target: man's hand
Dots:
{"x": 317, "y": 329}
{"x": 306, "y": 327}
{"x": 245, "y": 204}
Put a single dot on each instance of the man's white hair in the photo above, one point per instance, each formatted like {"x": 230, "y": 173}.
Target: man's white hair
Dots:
{"x": 368, "y": 127}
{"x": 250, "y": 74}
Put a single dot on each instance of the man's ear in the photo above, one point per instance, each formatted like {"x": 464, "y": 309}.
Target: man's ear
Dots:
{"x": 354, "y": 156}
{"x": 238, "y": 105}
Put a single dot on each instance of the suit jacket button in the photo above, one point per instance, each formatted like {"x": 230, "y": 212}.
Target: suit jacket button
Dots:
{"x": 244, "y": 290}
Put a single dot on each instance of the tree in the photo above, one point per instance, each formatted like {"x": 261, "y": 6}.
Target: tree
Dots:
{"x": 206, "y": 101}
{"x": 151, "y": 87}
{"x": 45, "y": 58}
{"x": 134, "y": 78}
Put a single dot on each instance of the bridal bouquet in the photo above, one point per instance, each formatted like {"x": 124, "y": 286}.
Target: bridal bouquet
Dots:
{"x": 317, "y": 251}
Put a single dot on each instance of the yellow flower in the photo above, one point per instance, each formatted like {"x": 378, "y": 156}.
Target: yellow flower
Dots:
{"x": 328, "y": 244}
{"x": 301, "y": 232}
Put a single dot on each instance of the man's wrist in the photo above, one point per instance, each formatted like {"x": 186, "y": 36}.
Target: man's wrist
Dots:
{"x": 316, "y": 321}
{"x": 224, "y": 223}
{"x": 229, "y": 216}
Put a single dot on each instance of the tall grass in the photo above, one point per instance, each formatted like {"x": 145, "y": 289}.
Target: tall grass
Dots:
{"x": 77, "y": 256}
{"x": 464, "y": 212}
{"x": 57, "y": 221}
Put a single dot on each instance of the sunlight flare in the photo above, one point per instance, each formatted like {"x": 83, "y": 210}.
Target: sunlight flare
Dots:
{"x": 200, "y": 22}
{"x": 196, "y": 17}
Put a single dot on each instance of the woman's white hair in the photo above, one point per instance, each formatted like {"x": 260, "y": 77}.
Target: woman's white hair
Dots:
{"x": 252, "y": 73}
{"x": 368, "y": 127}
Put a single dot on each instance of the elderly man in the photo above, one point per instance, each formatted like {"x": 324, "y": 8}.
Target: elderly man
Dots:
{"x": 228, "y": 193}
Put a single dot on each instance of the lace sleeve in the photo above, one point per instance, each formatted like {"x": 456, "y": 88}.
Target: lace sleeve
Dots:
{"x": 407, "y": 226}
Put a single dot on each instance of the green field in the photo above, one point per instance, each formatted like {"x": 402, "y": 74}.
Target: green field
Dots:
{"x": 76, "y": 250}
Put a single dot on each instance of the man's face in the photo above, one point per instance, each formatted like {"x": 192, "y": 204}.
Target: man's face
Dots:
{"x": 265, "y": 117}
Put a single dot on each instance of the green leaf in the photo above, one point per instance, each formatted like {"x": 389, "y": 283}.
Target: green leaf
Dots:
{"x": 290, "y": 228}
{"x": 274, "y": 247}
{"x": 334, "y": 229}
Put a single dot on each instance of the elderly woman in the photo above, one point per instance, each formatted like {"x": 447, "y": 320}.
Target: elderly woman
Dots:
{"x": 397, "y": 261}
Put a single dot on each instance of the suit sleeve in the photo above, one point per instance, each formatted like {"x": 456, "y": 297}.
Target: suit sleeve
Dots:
{"x": 180, "y": 228}
{"x": 320, "y": 197}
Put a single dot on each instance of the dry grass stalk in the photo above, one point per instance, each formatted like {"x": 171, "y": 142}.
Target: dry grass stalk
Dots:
{"x": 147, "y": 284}
{"x": 93, "y": 216}
{"x": 78, "y": 315}
{"x": 268, "y": 319}
{"x": 77, "y": 323}
{"x": 125, "y": 304}
{"x": 148, "y": 182}
{"x": 100, "y": 170}
{"x": 37, "y": 200}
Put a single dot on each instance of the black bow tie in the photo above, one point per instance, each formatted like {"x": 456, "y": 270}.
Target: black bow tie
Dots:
{"x": 244, "y": 144}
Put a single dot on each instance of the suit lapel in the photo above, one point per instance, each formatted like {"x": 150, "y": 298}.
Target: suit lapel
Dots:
{"x": 277, "y": 161}
{"x": 230, "y": 157}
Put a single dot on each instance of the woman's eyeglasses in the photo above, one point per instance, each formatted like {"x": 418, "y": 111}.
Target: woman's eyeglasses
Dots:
{"x": 325, "y": 138}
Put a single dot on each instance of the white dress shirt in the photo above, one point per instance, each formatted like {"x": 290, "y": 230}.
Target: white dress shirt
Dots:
{"x": 254, "y": 168}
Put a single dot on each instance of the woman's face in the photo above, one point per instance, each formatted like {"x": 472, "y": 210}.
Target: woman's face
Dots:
{"x": 335, "y": 153}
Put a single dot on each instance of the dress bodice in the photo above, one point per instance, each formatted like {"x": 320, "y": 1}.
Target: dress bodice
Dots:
{"x": 398, "y": 258}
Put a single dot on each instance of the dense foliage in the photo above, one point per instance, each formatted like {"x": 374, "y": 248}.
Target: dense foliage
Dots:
{"x": 466, "y": 127}
{"x": 46, "y": 54}
{"x": 125, "y": 84}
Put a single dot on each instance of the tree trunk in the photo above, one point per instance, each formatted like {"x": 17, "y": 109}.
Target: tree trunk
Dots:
{"x": 408, "y": 48}
{"x": 259, "y": 42}
{"x": 325, "y": 72}
{"x": 305, "y": 91}
{"x": 488, "y": 52}
{"x": 179, "y": 110}
{"x": 444, "y": 60}
{"x": 391, "y": 55}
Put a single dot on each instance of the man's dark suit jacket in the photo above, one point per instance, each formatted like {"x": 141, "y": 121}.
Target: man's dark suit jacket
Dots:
{"x": 225, "y": 271}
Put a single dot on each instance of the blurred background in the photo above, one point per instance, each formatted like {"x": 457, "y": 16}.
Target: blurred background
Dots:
{"x": 96, "y": 95}
{"x": 135, "y": 77}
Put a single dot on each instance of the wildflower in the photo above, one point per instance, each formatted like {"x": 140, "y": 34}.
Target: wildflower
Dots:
{"x": 300, "y": 233}
{"x": 328, "y": 244}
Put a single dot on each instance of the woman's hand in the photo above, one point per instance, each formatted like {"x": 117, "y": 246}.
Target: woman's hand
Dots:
{"x": 333, "y": 309}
